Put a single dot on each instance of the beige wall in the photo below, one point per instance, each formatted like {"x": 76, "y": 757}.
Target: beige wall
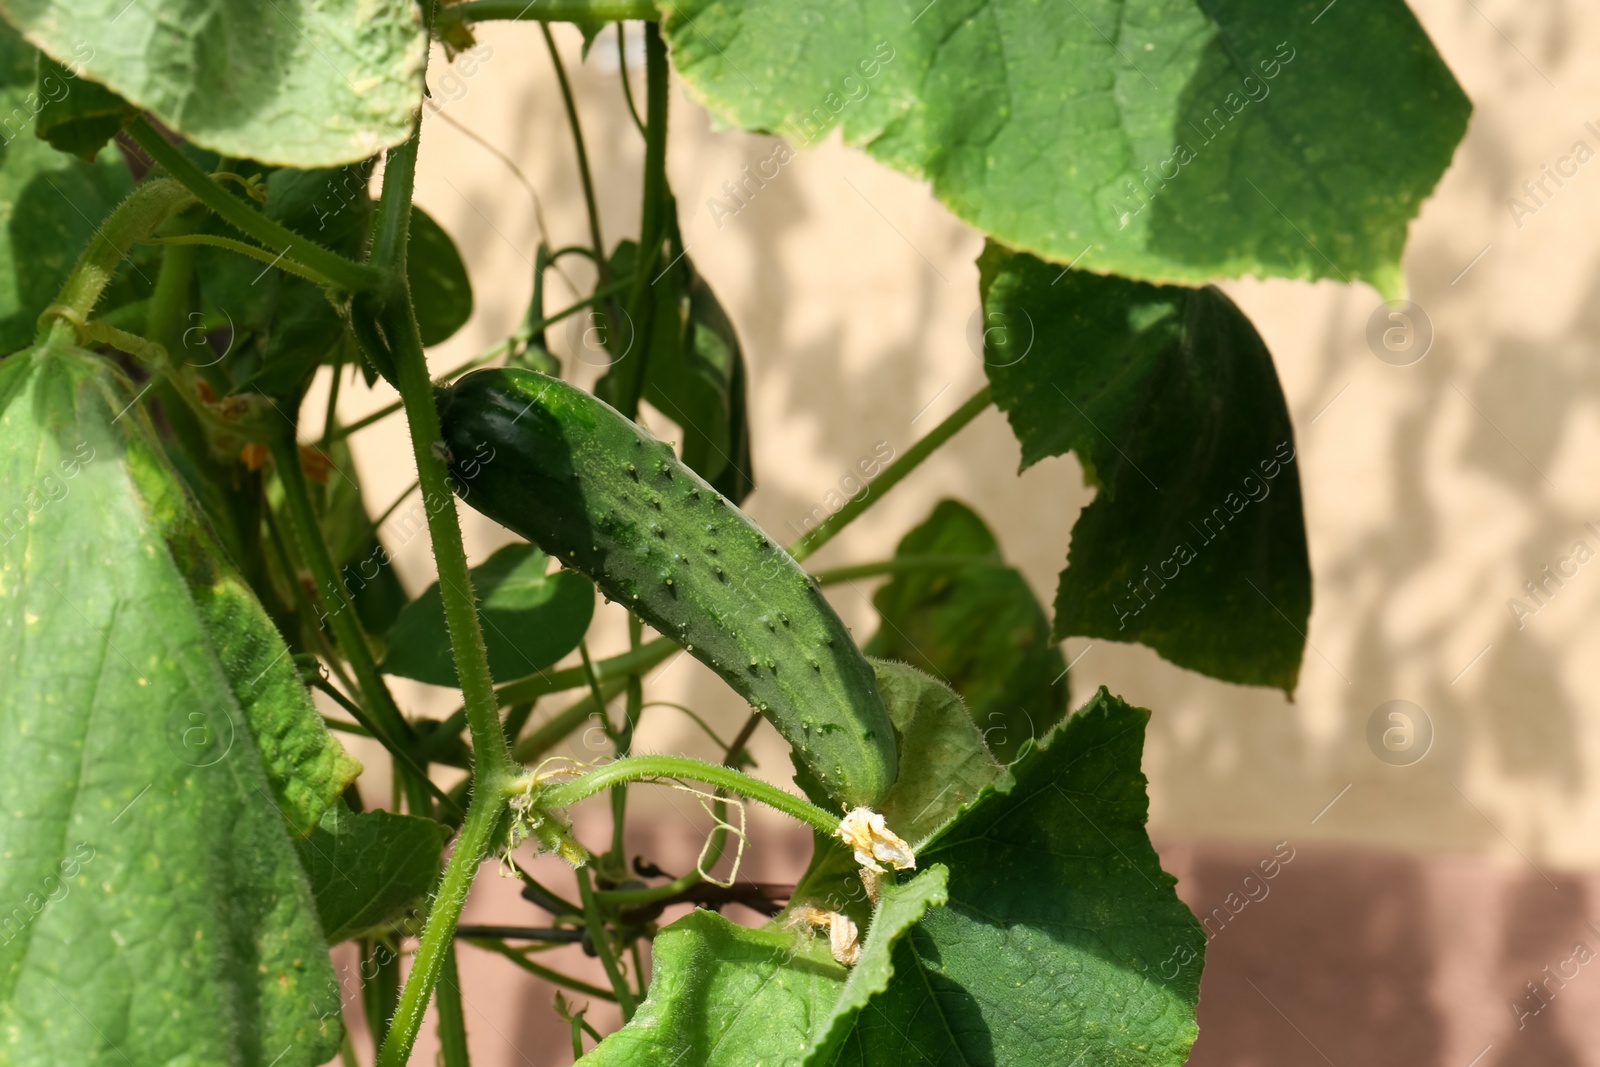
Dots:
{"x": 1432, "y": 491}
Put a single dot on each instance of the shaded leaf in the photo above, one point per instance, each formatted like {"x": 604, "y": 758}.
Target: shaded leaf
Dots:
{"x": 370, "y": 868}
{"x": 723, "y": 995}
{"x": 304, "y": 85}
{"x": 530, "y": 620}
{"x": 976, "y": 624}
{"x": 278, "y": 328}
{"x": 944, "y": 763}
{"x": 695, "y": 373}
{"x": 1173, "y": 140}
{"x": 77, "y": 116}
{"x": 50, "y": 205}
{"x": 157, "y": 740}
{"x": 1063, "y": 941}
{"x": 1196, "y": 544}
{"x": 441, "y": 295}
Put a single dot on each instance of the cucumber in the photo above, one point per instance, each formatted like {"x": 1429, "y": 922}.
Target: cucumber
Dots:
{"x": 573, "y": 475}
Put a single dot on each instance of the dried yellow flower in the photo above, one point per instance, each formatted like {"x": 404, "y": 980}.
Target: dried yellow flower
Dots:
{"x": 875, "y": 844}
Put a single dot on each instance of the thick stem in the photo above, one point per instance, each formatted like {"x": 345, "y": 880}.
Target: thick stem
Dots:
{"x": 356, "y": 277}
{"x": 549, "y": 11}
{"x": 892, "y": 474}
{"x": 478, "y": 836}
{"x": 644, "y": 768}
{"x": 135, "y": 219}
{"x": 390, "y": 230}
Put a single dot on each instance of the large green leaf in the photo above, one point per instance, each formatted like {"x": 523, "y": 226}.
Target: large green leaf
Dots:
{"x": 156, "y": 741}
{"x": 303, "y": 85}
{"x": 50, "y": 204}
{"x": 1173, "y": 140}
{"x": 973, "y": 622}
{"x": 530, "y": 619}
{"x": 1196, "y": 545}
{"x": 369, "y": 868}
{"x": 441, "y": 293}
{"x": 1063, "y": 942}
{"x": 725, "y": 996}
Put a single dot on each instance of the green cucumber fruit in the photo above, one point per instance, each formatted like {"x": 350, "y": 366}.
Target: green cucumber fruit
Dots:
{"x": 573, "y": 475}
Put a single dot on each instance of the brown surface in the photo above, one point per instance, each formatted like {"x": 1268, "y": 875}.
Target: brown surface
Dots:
{"x": 1351, "y": 957}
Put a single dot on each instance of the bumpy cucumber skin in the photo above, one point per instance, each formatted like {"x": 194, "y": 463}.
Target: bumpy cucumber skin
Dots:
{"x": 570, "y": 473}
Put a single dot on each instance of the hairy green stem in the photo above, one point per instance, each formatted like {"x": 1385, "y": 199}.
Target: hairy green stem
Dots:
{"x": 491, "y": 755}
{"x": 244, "y": 248}
{"x": 479, "y": 834}
{"x": 656, "y": 767}
{"x": 719, "y": 836}
{"x": 602, "y": 945}
{"x": 347, "y": 274}
{"x": 133, "y": 220}
{"x": 549, "y": 11}
{"x": 825, "y": 531}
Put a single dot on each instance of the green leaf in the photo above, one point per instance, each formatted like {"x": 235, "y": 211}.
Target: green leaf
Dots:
{"x": 49, "y": 205}
{"x": 280, "y": 327}
{"x": 1079, "y": 131}
{"x": 441, "y": 294}
{"x": 1063, "y": 941}
{"x": 944, "y": 763}
{"x": 696, "y": 375}
{"x": 77, "y": 116}
{"x": 303, "y": 85}
{"x": 156, "y": 743}
{"x": 1196, "y": 544}
{"x": 726, "y": 996}
{"x": 370, "y": 868}
{"x": 530, "y": 620}
{"x": 976, "y": 624}
{"x": 943, "y": 766}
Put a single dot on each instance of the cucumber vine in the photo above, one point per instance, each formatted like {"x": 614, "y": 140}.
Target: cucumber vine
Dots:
{"x": 975, "y": 834}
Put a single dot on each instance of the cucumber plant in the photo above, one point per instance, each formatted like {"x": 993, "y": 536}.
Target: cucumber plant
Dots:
{"x": 192, "y": 594}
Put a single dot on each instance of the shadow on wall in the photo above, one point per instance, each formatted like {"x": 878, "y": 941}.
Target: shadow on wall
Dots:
{"x": 1340, "y": 959}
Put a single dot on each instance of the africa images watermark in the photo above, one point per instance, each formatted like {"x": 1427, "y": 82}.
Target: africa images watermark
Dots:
{"x": 852, "y": 89}
{"x": 1139, "y": 192}
{"x": 1542, "y": 589}
{"x": 1212, "y": 526}
{"x": 1537, "y": 192}
{"x": 53, "y": 89}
